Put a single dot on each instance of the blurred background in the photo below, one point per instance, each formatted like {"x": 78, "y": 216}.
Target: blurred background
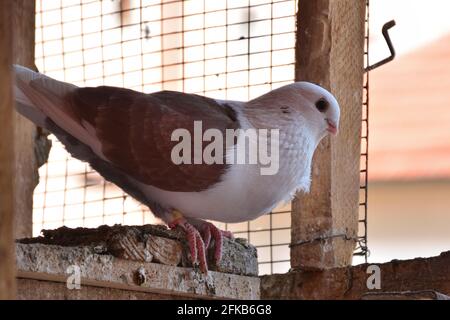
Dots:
{"x": 409, "y": 148}
{"x": 239, "y": 50}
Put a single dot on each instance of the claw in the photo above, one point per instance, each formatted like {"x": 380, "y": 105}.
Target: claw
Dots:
{"x": 206, "y": 233}
{"x": 209, "y": 231}
{"x": 195, "y": 241}
{"x": 199, "y": 239}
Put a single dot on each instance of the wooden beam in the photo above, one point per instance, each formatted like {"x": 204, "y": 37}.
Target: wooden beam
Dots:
{"x": 420, "y": 274}
{"x": 330, "y": 51}
{"x": 51, "y": 262}
{"x": 406, "y": 295}
{"x": 45, "y": 289}
{"x": 151, "y": 243}
{"x": 172, "y": 46}
{"x": 31, "y": 146}
{"x": 126, "y": 12}
{"x": 7, "y": 266}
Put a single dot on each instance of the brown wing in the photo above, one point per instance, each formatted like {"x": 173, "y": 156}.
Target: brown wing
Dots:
{"x": 134, "y": 130}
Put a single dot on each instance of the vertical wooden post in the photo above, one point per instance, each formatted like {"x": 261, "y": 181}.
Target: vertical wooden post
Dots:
{"x": 172, "y": 46}
{"x": 125, "y": 12}
{"x": 330, "y": 51}
{"x": 31, "y": 148}
{"x": 7, "y": 265}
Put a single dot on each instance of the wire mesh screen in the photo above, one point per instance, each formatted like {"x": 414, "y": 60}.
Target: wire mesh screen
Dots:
{"x": 222, "y": 49}
{"x": 361, "y": 252}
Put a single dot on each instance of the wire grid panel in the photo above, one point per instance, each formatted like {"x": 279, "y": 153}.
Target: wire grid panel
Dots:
{"x": 361, "y": 252}
{"x": 222, "y": 49}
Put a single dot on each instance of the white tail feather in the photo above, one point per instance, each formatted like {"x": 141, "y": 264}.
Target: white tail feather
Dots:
{"x": 39, "y": 97}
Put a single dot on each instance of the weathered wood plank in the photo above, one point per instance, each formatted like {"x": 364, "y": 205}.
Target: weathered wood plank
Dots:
{"x": 31, "y": 144}
{"x": 30, "y": 289}
{"x": 50, "y": 263}
{"x": 351, "y": 283}
{"x": 7, "y": 268}
{"x": 408, "y": 295}
{"x": 151, "y": 243}
{"x": 329, "y": 52}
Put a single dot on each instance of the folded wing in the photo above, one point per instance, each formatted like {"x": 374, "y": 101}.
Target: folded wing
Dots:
{"x": 130, "y": 130}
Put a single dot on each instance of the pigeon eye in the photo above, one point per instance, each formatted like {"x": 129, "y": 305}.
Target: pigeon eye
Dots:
{"x": 322, "y": 105}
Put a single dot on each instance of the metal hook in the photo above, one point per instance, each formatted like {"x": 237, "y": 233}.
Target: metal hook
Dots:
{"x": 386, "y": 36}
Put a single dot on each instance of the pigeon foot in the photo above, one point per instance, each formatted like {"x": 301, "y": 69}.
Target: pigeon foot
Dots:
{"x": 208, "y": 231}
{"x": 196, "y": 245}
{"x": 199, "y": 234}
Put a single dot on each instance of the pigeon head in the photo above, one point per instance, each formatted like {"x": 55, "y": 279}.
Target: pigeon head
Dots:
{"x": 320, "y": 105}
{"x": 299, "y": 99}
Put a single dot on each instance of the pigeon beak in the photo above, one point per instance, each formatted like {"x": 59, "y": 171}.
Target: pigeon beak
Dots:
{"x": 332, "y": 128}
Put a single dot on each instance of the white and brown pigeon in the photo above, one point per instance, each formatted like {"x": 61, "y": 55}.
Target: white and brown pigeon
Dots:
{"x": 126, "y": 136}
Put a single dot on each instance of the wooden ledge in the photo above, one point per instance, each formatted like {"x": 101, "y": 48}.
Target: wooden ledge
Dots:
{"x": 151, "y": 243}
{"x": 396, "y": 278}
{"x": 147, "y": 258}
{"x": 51, "y": 264}
{"x": 406, "y": 295}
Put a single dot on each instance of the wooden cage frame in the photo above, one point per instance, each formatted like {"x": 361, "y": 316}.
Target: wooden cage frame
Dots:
{"x": 331, "y": 35}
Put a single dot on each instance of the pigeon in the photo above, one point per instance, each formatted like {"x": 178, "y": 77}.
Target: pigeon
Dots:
{"x": 131, "y": 138}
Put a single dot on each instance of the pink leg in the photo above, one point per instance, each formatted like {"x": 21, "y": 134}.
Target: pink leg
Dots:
{"x": 209, "y": 230}
{"x": 206, "y": 234}
{"x": 196, "y": 244}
